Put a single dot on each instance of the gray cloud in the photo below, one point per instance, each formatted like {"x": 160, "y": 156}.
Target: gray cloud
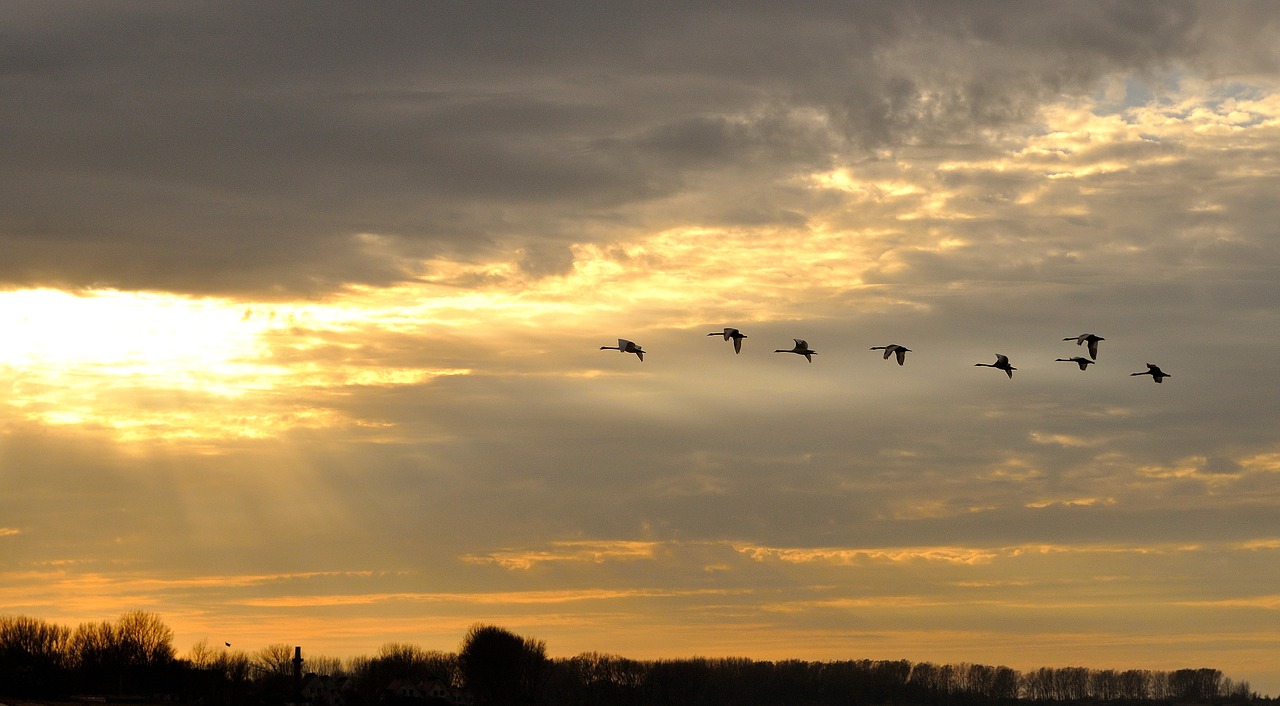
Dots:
{"x": 237, "y": 147}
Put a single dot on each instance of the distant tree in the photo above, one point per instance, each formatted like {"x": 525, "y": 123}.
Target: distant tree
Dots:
{"x": 1005, "y": 686}
{"x": 144, "y": 640}
{"x": 500, "y": 667}
{"x": 32, "y": 654}
{"x": 218, "y": 675}
{"x": 134, "y": 652}
{"x": 929, "y": 677}
{"x": 596, "y": 678}
{"x": 1135, "y": 684}
{"x": 679, "y": 681}
{"x": 948, "y": 679}
{"x": 406, "y": 661}
{"x": 1235, "y": 691}
{"x": 272, "y": 670}
{"x": 1037, "y": 685}
{"x": 1196, "y": 684}
{"x": 597, "y": 668}
{"x": 201, "y": 655}
{"x": 1073, "y": 683}
{"x": 274, "y": 660}
{"x": 734, "y": 680}
{"x": 401, "y": 661}
{"x": 236, "y": 667}
{"x": 324, "y": 665}
{"x": 94, "y": 653}
{"x": 1159, "y": 686}
{"x": 978, "y": 680}
{"x": 1104, "y": 684}
{"x": 891, "y": 673}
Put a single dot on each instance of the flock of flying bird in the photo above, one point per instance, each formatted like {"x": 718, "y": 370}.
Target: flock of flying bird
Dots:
{"x": 900, "y": 352}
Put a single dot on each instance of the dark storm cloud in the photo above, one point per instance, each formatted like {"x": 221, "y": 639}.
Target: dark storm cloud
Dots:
{"x": 242, "y": 147}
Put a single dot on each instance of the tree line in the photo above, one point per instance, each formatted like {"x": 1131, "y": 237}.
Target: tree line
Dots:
{"x": 134, "y": 656}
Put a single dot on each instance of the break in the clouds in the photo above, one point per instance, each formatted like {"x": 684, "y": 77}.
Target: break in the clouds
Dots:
{"x": 303, "y": 308}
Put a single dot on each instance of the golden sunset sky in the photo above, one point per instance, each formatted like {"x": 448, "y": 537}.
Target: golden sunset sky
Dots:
{"x": 301, "y": 308}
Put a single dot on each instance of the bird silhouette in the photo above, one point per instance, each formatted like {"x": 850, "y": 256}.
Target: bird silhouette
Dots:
{"x": 625, "y": 346}
{"x": 802, "y": 348}
{"x": 1078, "y": 360}
{"x": 1089, "y": 338}
{"x": 1155, "y": 372}
{"x": 1002, "y": 363}
{"x": 731, "y": 333}
{"x": 893, "y": 349}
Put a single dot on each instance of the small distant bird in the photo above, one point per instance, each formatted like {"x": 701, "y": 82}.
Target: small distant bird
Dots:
{"x": 893, "y": 349}
{"x": 625, "y": 346}
{"x": 1089, "y": 338}
{"x": 733, "y": 333}
{"x": 228, "y": 644}
{"x": 1002, "y": 363}
{"x": 802, "y": 348}
{"x": 1078, "y": 360}
{"x": 1155, "y": 372}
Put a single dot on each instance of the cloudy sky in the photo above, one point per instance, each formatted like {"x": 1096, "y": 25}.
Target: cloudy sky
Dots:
{"x": 301, "y": 308}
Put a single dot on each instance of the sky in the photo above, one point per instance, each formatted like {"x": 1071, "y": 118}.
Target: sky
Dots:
{"x": 301, "y": 308}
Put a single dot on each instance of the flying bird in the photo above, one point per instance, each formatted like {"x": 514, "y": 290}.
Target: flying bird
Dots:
{"x": 1155, "y": 372}
{"x": 893, "y": 349}
{"x": 1002, "y": 363}
{"x": 625, "y": 346}
{"x": 802, "y": 348}
{"x": 733, "y": 333}
{"x": 1078, "y": 360}
{"x": 1089, "y": 338}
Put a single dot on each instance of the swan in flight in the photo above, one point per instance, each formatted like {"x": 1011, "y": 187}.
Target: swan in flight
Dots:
{"x": 1155, "y": 372}
{"x": 802, "y": 348}
{"x": 733, "y": 333}
{"x": 893, "y": 349}
{"x": 626, "y": 347}
{"x": 1002, "y": 363}
{"x": 1082, "y": 361}
{"x": 1089, "y": 338}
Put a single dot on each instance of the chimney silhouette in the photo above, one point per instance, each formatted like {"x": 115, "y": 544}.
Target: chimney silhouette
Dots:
{"x": 297, "y": 666}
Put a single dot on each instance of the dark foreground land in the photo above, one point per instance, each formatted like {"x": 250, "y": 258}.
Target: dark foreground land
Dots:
{"x": 132, "y": 661}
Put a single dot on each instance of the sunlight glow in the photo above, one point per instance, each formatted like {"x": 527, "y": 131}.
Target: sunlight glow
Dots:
{"x": 133, "y": 331}
{"x": 146, "y": 366}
